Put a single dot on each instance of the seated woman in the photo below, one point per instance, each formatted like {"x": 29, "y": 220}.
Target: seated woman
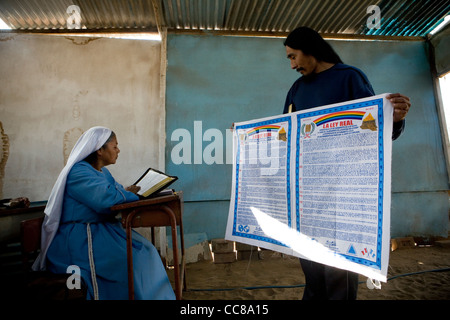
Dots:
{"x": 79, "y": 228}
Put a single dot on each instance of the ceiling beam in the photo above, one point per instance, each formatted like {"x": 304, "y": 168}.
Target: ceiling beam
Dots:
{"x": 83, "y": 31}
{"x": 266, "y": 34}
{"x": 271, "y": 34}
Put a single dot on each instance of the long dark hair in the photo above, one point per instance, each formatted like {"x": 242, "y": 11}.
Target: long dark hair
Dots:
{"x": 311, "y": 43}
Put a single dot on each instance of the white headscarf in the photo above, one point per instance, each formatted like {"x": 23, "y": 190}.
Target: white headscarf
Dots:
{"x": 90, "y": 141}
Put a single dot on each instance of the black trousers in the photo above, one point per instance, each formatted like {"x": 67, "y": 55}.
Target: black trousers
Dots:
{"x": 328, "y": 283}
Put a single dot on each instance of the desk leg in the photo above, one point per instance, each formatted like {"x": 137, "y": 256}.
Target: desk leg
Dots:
{"x": 183, "y": 261}
{"x": 176, "y": 267}
{"x": 130, "y": 256}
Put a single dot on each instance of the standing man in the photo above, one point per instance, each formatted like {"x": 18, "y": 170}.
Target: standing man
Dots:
{"x": 326, "y": 80}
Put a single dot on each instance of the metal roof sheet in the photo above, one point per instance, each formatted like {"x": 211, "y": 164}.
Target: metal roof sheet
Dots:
{"x": 399, "y": 18}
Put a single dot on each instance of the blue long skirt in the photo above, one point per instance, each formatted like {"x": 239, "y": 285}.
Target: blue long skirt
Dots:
{"x": 70, "y": 247}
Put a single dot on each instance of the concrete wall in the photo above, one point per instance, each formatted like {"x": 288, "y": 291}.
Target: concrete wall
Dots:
{"x": 214, "y": 81}
{"x": 217, "y": 81}
{"x": 53, "y": 88}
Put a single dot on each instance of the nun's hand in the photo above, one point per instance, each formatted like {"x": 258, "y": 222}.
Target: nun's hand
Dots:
{"x": 133, "y": 189}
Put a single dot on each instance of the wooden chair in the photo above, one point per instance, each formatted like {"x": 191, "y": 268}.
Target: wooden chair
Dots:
{"x": 43, "y": 285}
{"x": 30, "y": 238}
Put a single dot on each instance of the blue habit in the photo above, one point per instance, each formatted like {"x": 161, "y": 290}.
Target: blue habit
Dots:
{"x": 87, "y": 198}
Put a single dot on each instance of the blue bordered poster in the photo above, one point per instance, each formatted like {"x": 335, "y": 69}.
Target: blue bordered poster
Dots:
{"x": 262, "y": 173}
{"x": 316, "y": 184}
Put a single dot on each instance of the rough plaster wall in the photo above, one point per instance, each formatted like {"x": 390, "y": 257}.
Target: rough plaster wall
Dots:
{"x": 54, "y": 88}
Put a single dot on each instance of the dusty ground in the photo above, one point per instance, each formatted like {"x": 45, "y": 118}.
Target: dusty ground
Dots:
{"x": 278, "y": 277}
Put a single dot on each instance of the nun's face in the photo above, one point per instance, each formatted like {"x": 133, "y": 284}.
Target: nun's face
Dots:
{"x": 109, "y": 154}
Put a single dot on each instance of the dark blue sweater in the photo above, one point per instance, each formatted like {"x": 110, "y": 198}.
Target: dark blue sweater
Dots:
{"x": 337, "y": 84}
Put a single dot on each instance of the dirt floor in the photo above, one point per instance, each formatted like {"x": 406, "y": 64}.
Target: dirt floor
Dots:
{"x": 418, "y": 273}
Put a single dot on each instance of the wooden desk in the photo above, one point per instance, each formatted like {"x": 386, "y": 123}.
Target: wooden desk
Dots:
{"x": 155, "y": 212}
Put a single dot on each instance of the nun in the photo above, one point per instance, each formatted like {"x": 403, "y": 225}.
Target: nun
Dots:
{"x": 79, "y": 228}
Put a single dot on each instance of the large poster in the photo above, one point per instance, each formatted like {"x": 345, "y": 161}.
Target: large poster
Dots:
{"x": 316, "y": 184}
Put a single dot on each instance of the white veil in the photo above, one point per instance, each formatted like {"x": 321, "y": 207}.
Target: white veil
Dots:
{"x": 90, "y": 141}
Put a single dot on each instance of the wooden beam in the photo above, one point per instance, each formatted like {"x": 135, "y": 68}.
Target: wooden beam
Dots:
{"x": 83, "y": 31}
{"x": 266, "y": 34}
{"x": 285, "y": 34}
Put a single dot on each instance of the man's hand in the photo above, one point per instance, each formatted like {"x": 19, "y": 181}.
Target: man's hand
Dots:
{"x": 401, "y": 105}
